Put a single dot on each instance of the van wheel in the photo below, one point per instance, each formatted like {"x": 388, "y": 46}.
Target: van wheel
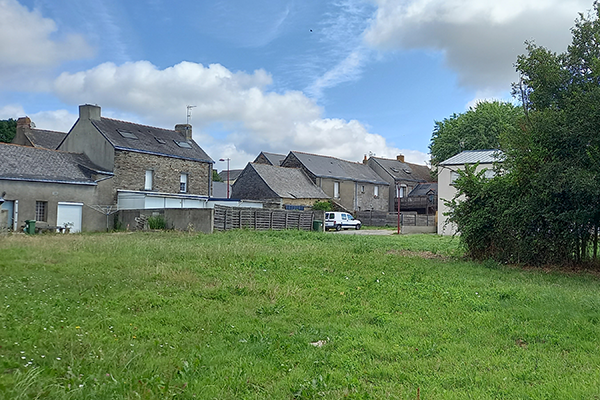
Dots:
{"x": 358, "y": 227}
{"x": 338, "y": 227}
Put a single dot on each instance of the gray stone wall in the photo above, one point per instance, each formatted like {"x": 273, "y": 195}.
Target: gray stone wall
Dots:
{"x": 130, "y": 173}
{"x": 261, "y": 159}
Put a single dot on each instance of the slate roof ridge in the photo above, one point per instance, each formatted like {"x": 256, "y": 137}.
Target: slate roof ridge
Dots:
{"x": 140, "y": 125}
{"x": 320, "y": 155}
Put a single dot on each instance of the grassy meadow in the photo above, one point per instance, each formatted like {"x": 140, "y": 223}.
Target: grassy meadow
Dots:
{"x": 287, "y": 315}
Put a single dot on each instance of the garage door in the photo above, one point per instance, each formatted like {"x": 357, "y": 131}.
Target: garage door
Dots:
{"x": 69, "y": 213}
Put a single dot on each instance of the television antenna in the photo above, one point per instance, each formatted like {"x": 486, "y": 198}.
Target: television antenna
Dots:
{"x": 189, "y": 114}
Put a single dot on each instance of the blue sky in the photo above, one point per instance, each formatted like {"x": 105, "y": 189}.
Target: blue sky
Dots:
{"x": 342, "y": 77}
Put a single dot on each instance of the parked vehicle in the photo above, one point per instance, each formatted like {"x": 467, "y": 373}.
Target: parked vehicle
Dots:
{"x": 341, "y": 220}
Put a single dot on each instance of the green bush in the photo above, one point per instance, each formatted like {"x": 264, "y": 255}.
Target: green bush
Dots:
{"x": 326, "y": 205}
{"x": 157, "y": 222}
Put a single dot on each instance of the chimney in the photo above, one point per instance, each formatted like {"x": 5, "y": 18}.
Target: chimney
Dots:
{"x": 365, "y": 160}
{"x": 185, "y": 130}
{"x": 23, "y": 126}
{"x": 89, "y": 111}
{"x": 400, "y": 157}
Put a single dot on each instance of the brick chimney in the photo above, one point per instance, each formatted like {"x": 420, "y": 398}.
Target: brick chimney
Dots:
{"x": 365, "y": 161}
{"x": 400, "y": 157}
{"x": 185, "y": 130}
{"x": 89, "y": 111}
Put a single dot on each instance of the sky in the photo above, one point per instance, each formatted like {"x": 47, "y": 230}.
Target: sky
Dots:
{"x": 345, "y": 78}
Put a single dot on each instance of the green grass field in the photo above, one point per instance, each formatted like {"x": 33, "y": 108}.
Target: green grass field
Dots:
{"x": 284, "y": 315}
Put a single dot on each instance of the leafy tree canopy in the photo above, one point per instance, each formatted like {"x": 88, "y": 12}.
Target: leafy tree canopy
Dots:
{"x": 479, "y": 128}
{"x": 8, "y": 130}
{"x": 215, "y": 176}
{"x": 545, "y": 208}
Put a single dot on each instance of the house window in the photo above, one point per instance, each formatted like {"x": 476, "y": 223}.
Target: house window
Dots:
{"x": 183, "y": 183}
{"x": 336, "y": 190}
{"x": 149, "y": 179}
{"x": 41, "y": 208}
{"x": 453, "y": 176}
{"x": 376, "y": 191}
{"x": 401, "y": 191}
{"x": 362, "y": 188}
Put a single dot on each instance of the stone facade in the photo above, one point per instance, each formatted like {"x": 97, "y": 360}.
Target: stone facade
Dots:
{"x": 130, "y": 172}
{"x": 261, "y": 159}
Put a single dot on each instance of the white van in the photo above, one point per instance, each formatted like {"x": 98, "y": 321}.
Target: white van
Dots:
{"x": 340, "y": 220}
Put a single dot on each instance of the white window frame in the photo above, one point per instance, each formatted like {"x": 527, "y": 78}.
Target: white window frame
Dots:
{"x": 376, "y": 191}
{"x": 183, "y": 183}
{"x": 149, "y": 180}
{"x": 336, "y": 190}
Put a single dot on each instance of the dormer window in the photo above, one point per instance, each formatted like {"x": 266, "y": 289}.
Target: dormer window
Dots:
{"x": 127, "y": 134}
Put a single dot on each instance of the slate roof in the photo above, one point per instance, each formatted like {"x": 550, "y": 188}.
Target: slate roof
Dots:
{"x": 45, "y": 139}
{"x": 403, "y": 170}
{"x": 274, "y": 158}
{"x": 25, "y": 163}
{"x": 290, "y": 183}
{"x": 422, "y": 188}
{"x": 233, "y": 174}
{"x": 474, "y": 156}
{"x": 331, "y": 167}
{"x": 150, "y": 140}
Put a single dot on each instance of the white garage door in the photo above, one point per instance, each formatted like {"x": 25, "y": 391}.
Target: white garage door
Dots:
{"x": 69, "y": 213}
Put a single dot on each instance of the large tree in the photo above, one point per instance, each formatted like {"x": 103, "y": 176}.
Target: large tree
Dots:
{"x": 545, "y": 208}
{"x": 479, "y": 128}
{"x": 8, "y": 130}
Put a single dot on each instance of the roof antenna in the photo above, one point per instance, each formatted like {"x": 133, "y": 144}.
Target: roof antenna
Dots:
{"x": 189, "y": 114}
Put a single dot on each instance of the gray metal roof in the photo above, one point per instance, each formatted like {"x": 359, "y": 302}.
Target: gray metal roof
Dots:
{"x": 45, "y": 139}
{"x": 474, "y": 156}
{"x": 148, "y": 139}
{"x": 330, "y": 167}
{"x": 274, "y": 158}
{"x": 290, "y": 183}
{"x": 403, "y": 170}
{"x": 25, "y": 163}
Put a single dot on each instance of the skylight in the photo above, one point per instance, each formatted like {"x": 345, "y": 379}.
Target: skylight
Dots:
{"x": 159, "y": 140}
{"x": 185, "y": 145}
{"x": 127, "y": 134}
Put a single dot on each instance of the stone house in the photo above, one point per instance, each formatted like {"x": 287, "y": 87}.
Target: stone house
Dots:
{"x": 123, "y": 164}
{"x": 448, "y": 173}
{"x": 352, "y": 186}
{"x": 278, "y": 187}
{"x": 403, "y": 178}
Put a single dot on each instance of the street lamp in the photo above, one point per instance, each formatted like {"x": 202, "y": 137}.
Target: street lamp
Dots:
{"x": 226, "y": 159}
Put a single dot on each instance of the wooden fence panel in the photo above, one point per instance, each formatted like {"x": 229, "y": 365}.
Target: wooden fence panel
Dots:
{"x": 226, "y": 218}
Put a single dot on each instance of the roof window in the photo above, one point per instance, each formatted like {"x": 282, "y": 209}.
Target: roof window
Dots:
{"x": 185, "y": 145}
{"x": 394, "y": 169}
{"x": 159, "y": 140}
{"x": 127, "y": 134}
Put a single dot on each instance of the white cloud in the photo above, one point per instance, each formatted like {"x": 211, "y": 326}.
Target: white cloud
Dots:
{"x": 25, "y": 39}
{"x": 480, "y": 39}
{"x": 254, "y": 118}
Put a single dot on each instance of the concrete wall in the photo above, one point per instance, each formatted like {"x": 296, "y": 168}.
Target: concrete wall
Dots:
{"x": 446, "y": 192}
{"x": 28, "y": 193}
{"x": 187, "y": 219}
{"x": 130, "y": 173}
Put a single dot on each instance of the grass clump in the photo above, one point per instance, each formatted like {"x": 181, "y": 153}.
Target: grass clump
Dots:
{"x": 261, "y": 315}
